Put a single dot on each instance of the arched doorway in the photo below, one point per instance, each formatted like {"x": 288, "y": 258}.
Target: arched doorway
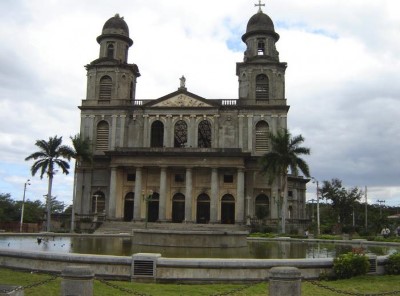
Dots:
{"x": 98, "y": 203}
{"x": 203, "y": 209}
{"x": 262, "y": 206}
{"x": 228, "y": 209}
{"x": 178, "y": 208}
{"x": 152, "y": 211}
{"x": 128, "y": 206}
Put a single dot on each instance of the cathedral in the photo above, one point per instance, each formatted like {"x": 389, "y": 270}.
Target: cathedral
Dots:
{"x": 183, "y": 158}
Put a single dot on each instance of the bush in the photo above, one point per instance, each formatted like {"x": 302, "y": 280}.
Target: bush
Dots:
{"x": 350, "y": 264}
{"x": 393, "y": 265}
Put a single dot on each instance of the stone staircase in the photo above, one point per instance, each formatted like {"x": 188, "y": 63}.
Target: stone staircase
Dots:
{"x": 118, "y": 227}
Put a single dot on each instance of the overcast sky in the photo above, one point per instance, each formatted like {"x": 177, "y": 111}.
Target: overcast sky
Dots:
{"x": 342, "y": 81}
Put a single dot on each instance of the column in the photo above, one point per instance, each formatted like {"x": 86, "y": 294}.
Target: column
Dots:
{"x": 240, "y": 197}
{"x": 91, "y": 127}
{"x": 192, "y": 132}
{"x": 214, "y": 196}
{"x": 122, "y": 131}
{"x": 113, "y": 130}
{"x": 169, "y": 132}
{"x": 146, "y": 142}
{"x": 283, "y": 121}
{"x": 163, "y": 195}
{"x": 113, "y": 193}
{"x": 241, "y": 131}
{"x": 274, "y": 123}
{"x": 138, "y": 195}
{"x": 215, "y": 136}
{"x": 188, "y": 196}
{"x": 249, "y": 132}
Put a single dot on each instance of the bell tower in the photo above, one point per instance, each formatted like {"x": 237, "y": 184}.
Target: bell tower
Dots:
{"x": 110, "y": 79}
{"x": 261, "y": 75}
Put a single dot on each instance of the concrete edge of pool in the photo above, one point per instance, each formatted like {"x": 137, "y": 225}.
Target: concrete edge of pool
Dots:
{"x": 154, "y": 267}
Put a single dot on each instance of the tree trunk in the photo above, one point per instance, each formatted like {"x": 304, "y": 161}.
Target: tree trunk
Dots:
{"x": 284, "y": 202}
{"x": 73, "y": 199}
{"x": 48, "y": 200}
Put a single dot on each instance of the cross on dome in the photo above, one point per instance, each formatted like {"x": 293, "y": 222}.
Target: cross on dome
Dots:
{"x": 259, "y": 5}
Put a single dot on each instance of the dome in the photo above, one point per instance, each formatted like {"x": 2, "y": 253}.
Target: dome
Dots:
{"x": 116, "y": 25}
{"x": 260, "y": 23}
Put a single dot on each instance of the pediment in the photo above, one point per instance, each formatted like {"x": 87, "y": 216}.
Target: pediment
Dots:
{"x": 182, "y": 100}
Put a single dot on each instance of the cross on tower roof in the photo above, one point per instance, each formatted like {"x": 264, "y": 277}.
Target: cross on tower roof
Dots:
{"x": 259, "y": 5}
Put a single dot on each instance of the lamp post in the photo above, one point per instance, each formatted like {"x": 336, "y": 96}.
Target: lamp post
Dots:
{"x": 380, "y": 206}
{"x": 23, "y": 204}
{"x": 318, "y": 221}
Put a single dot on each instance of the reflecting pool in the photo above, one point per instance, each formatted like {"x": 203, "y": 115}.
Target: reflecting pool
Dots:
{"x": 125, "y": 246}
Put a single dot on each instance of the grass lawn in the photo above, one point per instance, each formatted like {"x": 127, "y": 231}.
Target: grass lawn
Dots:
{"x": 364, "y": 284}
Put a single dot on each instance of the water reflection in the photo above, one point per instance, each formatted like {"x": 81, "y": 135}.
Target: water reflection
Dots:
{"x": 124, "y": 246}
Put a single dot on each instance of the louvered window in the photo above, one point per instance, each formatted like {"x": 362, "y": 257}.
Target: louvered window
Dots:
{"x": 102, "y": 136}
{"x": 262, "y": 137}
{"x": 262, "y": 87}
{"x": 110, "y": 51}
{"x": 105, "y": 89}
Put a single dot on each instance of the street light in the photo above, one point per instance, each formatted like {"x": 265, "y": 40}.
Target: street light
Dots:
{"x": 23, "y": 204}
{"x": 318, "y": 222}
{"x": 380, "y": 205}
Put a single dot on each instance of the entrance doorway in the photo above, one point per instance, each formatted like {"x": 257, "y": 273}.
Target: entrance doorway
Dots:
{"x": 203, "y": 209}
{"x": 152, "y": 211}
{"x": 128, "y": 206}
{"x": 178, "y": 208}
{"x": 262, "y": 206}
{"x": 228, "y": 209}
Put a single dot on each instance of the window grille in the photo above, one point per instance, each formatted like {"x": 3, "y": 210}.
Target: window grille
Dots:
{"x": 105, "y": 88}
{"x": 204, "y": 134}
{"x": 262, "y": 137}
{"x": 262, "y": 87}
{"x": 102, "y": 136}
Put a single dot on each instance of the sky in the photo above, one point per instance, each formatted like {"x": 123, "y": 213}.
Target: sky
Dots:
{"x": 342, "y": 80}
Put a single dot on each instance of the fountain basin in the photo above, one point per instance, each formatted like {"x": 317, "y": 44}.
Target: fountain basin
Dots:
{"x": 190, "y": 238}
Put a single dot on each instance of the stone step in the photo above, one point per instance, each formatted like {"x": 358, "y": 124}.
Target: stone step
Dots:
{"x": 117, "y": 227}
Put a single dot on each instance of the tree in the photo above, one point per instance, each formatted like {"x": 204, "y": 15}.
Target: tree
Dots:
{"x": 51, "y": 154}
{"x": 82, "y": 153}
{"x": 343, "y": 200}
{"x": 284, "y": 155}
{"x": 8, "y": 209}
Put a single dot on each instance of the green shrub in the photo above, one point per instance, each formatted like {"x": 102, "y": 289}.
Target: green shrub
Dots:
{"x": 350, "y": 264}
{"x": 393, "y": 264}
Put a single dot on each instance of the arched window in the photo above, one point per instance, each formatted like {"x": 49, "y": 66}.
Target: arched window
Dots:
{"x": 262, "y": 137}
{"x": 260, "y": 47}
{"x": 262, "y": 87}
{"x": 98, "y": 202}
{"x": 203, "y": 209}
{"x": 102, "y": 136}
{"x": 157, "y": 134}
{"x": 204, "y": 134}
{"x": 262, "y": 206}
{"x": 110, "y": 51}
{"x": 105, "y": 89}
{"x": 180, "y": 134}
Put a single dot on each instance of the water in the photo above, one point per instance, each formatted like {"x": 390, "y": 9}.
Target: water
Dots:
{"x": 124, "y": 246}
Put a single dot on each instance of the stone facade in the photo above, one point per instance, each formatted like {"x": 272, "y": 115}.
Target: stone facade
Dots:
{"x": 182, "y": 157}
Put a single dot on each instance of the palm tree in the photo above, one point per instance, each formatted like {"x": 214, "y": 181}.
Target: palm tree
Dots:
{"x": 81, "y": 153}
{"x": 285, "y": 151}
{"x": 51, "y": 153}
